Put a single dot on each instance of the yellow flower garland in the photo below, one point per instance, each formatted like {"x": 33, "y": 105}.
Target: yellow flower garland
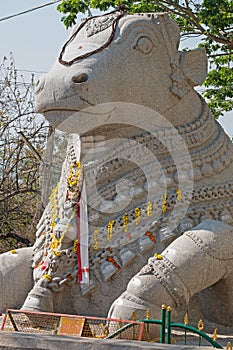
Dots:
{"x": 110, "y": 229}
{"x": 164, "y": 203}
{"x": 53, "y": 202}
{"x": 179, "y": 195}
{"x": 75, "y": 247}
{"x": 96, "y": 243}
{"x": 125, "y": 222}
{"x": 72, "y": 181}
{"x": 73, "y": 177}
{"x": 47, "y": 277}
{"x": 158, "y": 256}
{"x": 56, "y": 242}
{"x": 138, "y": 213}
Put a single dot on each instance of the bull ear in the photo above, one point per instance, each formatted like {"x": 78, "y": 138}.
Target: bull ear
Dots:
{"x": 194, "y": 65}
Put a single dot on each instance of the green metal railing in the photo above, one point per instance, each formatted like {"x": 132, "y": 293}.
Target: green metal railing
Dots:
{"x": 166, "y": 327}
{"x": 119, "y": 331}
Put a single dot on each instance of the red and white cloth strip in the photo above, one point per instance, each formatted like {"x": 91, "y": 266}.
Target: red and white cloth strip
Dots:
{"x": 83, "y": 259}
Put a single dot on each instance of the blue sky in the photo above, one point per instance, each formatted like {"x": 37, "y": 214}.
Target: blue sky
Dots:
{"x": 37, "y": 37}
{"x": 34, "y": 38}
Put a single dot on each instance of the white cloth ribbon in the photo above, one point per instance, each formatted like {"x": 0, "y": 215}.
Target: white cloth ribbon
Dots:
{"x": 83, "y": 259}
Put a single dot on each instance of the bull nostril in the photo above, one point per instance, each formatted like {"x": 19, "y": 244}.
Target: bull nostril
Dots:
{"x": 39, "y": 86}
{"x": 80, "y": 78}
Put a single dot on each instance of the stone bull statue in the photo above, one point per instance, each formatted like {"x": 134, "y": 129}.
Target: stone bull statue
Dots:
{"x": 153, "y": 170}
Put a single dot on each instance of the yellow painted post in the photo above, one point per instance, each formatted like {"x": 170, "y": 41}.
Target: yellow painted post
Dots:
{"x": 134, "y": 316}
{"x": 215, "y": 336}
{"x": 200, "y": 327}
{"x": 186, "y": 321}
{"x": 148, "y": 315}
{"x": 120, "y": 324}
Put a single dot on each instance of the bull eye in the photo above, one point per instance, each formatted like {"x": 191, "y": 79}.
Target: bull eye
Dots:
{"x": 80, "y": 78}
{"x": 144, "y": 45}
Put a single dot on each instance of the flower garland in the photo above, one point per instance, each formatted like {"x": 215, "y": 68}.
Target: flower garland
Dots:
{"x": 56, "y": 242}
{"x": 74, "y": 183}
{"x": 149, "y": 235}
{"x": 149, "y": 208}
{"x": 158, "y": 256}
{"x": 179, "y": 195}
{"x": 137, "y": 215}
{"x": 164, "y": 203}
{"x": 74, "y": 175}
{"x": 125, "y": 222}
{"x": 96, "y": 243}
{"x": 47, "y": 277}
{"x": 75, "y": 246}
{"x": 138, "y": 212}
{"x": 110, "y": 229}
{"x": 53, "y": 203}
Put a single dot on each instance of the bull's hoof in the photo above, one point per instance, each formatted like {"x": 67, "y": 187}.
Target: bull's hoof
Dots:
{"x": 127, "y": 307}
{"x": 39, "y": 299}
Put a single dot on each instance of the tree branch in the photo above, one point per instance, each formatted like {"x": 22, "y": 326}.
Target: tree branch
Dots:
{"x": 30, "y": 146}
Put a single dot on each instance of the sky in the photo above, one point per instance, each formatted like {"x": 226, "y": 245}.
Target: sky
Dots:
{"x": 35, "y": 39}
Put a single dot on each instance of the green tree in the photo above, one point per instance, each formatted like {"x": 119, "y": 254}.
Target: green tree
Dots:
{"x": 211, "y": 20}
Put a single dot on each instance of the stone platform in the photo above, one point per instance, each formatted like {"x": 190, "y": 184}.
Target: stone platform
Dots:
{"x": 23, "y": 341}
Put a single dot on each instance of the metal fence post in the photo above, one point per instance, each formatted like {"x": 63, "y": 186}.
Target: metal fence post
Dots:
{"x": 163, "y": 324}
{"x": 168, "y": 335}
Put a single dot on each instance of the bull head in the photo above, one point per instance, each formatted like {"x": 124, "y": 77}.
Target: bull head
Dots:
{"x": 140, "y": 64}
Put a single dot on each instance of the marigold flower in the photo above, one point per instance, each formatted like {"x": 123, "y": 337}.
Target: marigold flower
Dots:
{"x": 158, "y": 256}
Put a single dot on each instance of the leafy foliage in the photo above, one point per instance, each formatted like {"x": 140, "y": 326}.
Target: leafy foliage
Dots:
{"x": 211, "y": 20}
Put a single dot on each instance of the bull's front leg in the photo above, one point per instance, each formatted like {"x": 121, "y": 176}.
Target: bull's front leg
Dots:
{"x": 194, "y": 261}
{"x": 15, "y": 277}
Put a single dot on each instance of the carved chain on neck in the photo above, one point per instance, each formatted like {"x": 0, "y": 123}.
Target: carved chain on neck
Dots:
{"x": 113, "y": 23}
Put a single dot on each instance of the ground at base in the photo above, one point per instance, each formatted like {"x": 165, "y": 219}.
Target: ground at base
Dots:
{"x": 23, "y": 341}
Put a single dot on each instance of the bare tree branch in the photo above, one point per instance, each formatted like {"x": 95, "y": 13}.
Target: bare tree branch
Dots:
{"x": 20, "y": 193}
{"x": 29, "y": 144}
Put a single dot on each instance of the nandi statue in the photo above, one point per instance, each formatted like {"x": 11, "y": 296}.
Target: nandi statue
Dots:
{"x": 148, "y": 175}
